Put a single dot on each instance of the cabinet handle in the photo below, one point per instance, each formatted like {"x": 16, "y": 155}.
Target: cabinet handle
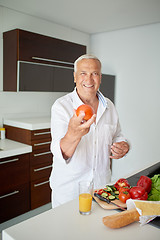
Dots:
{"x": 40, "y": 154}
{"x": 43, "y": 168}
{"x": 50, "y": 60}
{"x": 9, "y": 194}
{"x": 39, "y": 184}
{"x": 41, "y": 133}
{"x": 43, "y": 143}
{"x": 9, "y": 161}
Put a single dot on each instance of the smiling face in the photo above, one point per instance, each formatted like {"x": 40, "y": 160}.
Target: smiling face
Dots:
{"x": 87, "y": 78}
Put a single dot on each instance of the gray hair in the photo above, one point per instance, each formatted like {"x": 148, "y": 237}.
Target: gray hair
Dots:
{"x": 85, "y": 56}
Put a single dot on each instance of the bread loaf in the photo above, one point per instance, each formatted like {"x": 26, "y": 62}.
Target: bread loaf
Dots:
{"x": 121, "y": 219}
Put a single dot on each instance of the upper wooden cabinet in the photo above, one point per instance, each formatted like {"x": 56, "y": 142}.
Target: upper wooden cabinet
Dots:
{"x": 42, "y": 54}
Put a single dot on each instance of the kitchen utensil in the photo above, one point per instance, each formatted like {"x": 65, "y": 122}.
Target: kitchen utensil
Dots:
{"x": 108, "y": 201}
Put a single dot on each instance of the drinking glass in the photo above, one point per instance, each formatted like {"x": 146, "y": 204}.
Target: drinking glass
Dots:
{"x": 85, "y": 197}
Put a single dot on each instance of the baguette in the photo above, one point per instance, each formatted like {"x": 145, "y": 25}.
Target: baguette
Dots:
{"x": 121, "y": 219}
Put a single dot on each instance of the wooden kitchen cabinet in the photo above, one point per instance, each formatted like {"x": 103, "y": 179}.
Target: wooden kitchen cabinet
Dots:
{"x": 15, "y": 189}
{"x": 28, "y": 47}
{"x": 40, "y": 161}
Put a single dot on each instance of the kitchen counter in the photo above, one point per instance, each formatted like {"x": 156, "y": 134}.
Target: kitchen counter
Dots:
{"x": 30, "y": 123}
{"x": 65, "y": 222}
{"x": 10, "y": 148}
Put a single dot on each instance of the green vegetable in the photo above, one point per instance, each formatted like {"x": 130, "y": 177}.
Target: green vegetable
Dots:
{"x": 108, "y": 189}
{"x": 154, "y": 194}
{"x": 111, "y": 197}
{"x": 116, "y": 192}
{"x": 104, "y": 194}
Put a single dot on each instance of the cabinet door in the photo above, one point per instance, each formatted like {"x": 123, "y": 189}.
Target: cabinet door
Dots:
{"x": 14, "y": 202}
{"x": 41, "y": 77}
{"x": 10, "y": 57}
{"x": 14, "y": 171}
{"x": 63, "y": 80}
{"x": 40, "y": 192}
{"x": 35, "y": 77}
{"x": 37, "y": 45}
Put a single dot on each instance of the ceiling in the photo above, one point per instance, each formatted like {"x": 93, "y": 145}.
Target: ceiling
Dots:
{"x": 91, "y": 16}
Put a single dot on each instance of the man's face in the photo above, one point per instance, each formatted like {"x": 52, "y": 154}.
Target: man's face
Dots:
{"x": 87, "y": 77}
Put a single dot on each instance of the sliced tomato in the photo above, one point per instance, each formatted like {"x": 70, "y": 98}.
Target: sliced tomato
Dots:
{"x": 100, "y": 191}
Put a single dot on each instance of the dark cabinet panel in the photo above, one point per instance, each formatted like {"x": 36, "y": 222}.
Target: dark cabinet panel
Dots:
{"x": 10, "y": 57}
{"x": 13, "y": 171}
{"x": 107, "y": 86}
{"x": 34, "y": 77}
{"x": 40, "y": 77}
{"x": 15, "y": 189}
{"x": 24, "y": 46}
{"x": 37, "y": 45}
{"x": 15, "y": 202}
{"x": 63, "y": 80}
{"x": 40, "y": 192}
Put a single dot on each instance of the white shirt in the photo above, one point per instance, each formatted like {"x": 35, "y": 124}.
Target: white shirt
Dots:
{"x": 90, "y": 160}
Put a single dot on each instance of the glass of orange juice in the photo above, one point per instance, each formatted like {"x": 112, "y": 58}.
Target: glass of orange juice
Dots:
{"x": 85, "y": 197}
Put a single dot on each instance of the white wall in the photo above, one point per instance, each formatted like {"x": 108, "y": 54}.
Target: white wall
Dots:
{"x": 133, "y": 55}
{"x": 31, "y": 102}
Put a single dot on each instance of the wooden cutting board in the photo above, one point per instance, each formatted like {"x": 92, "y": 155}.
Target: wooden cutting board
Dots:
{"x": 109, "y": 206}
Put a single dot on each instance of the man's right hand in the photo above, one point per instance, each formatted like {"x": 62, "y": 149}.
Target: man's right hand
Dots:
{"x": 77, "y": 128}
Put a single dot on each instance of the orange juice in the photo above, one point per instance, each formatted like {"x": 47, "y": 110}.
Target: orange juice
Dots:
{"x": 85, "y": 202}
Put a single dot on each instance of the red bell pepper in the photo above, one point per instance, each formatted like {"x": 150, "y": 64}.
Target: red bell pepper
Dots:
{"x": 138, "y": 192}
{"x": 122, "y": 182}
{"x": 145, "y": 182}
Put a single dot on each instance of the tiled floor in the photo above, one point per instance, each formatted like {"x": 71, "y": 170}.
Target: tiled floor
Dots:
{"x": 23, "y": 217}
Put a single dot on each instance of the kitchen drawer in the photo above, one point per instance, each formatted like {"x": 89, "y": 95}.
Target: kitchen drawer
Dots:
{"x": 41, "y": 134}
{"x": 27, "y": 136}
{"x": 41, "y": 144}
{"x": 41, "y": 171}
{"x": 40, "y": 193}
{"x": 14, "y": 203}
{"x": 41, "y": 156}
{"x": 18, "y": 134}
{"x": 14, "y": 171}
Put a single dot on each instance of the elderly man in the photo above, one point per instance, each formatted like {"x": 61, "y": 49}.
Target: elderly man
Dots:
{"x": 82, "y": 150}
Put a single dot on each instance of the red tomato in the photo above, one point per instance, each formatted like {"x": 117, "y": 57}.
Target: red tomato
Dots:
{"x": 124, "y": 189}
{"x": 124, "y": 196}
{"x": 86, "y": 109}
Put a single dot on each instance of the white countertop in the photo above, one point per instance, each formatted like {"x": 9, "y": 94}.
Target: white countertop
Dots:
{"x": 10, "y": 148}
{"x": 30, "y": 123}
{"x": 65, "y": 222}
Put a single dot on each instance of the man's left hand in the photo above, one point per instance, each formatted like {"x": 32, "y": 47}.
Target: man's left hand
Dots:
{"x": 119, "y": 149}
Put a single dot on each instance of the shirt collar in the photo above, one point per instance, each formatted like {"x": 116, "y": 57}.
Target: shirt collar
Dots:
{"x": 102, "y": 99}
{"x": 77, "y": 101}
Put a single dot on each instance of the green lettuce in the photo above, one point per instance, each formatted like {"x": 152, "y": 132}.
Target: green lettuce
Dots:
{"x": 154, "y": 194}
